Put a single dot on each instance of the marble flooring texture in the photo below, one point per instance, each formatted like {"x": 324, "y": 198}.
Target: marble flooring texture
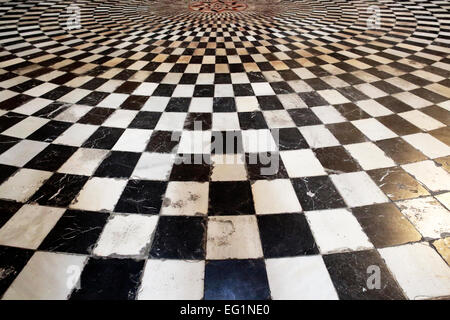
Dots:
{"x": 335, "y": 179}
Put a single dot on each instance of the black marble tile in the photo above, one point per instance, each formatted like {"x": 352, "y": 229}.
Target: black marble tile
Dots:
{"x": 397, "y": 184}
{"x": 350, "y": 273}
{"x": 7, "y": 210}
{"x": 204, "y": 90}
{"x": 163, "y": 141}
{"x": 385, "y": 225}
{"x": 127, "y": 87}
{"x": 286, "y": 235}
{"x": 118, "y": 164}
{"x": 400, "y": 151}
{"x": 281, "y": 87}
{"x": 438, "y": 113}
{"x": 398, "y": 125}
{"x": 236, "y": 280}
{"x": 269, "y": 103}
{"x": 198, "y": 121}
{"x": 145, "y": 120}
{"x": 336, "y": 160}
{"x": 261, "y": 166}
{"x": 224, "y": 104}
{"x": 291, "y": 139}
{"x": 10, "y": 119}
{"x": 304, "y": 117}
{"x": 346, "y": 133}
{"x": 243, "y": 89}
{"x": 313, "y": 99}
{"x": 230, "y": 198}
{"x": 103, "y": 138}
{"x": 252, "y": 120}
{"x": 164, "y": 90}
{"x": 351, "y": 111}
{"x": 191, "y": 171}
{"x": 177, "y": 237}
{"x": 226, "y": 142}
{"x": 317, "y": 193}
{"x": 59, "y": 190}
{"x": 442, "y": 134}
{"x": 50, "y": 131}
{"x": 51, "y": 158}
{"x": 75, "y": 232}
{"x": 109, "y": 279}
{"x": 134, "y": 102}
{"x": 394, "y": 104}
{"x": 12, "y": 261}
{"x": 92, "y": 99}
{"x": 143, "y": 197}
{"x": 178, "y": 105}
{"x": 6, "y": 172}
{"x": 96, "y": 116}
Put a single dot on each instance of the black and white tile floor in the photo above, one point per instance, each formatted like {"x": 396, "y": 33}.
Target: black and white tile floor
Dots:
{"x": 91, "y": 183}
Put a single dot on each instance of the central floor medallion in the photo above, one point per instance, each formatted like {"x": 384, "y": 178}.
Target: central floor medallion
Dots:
{"x": 217, "y": 6}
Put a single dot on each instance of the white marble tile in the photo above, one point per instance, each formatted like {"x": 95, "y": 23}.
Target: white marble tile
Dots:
{"x": 84, "y": 162}
{"x": 301, "y": 163}
{"x": 430, "y": 218}
{"x": 183, "y": 90}
{"x": 120, "y": 119}
{"x": 113, "y": 101}
{"x": 47, "y": 276}
{"x": 186, "y": 198}
{"x": 99, "y": 194}
{"x": 337, "y": 231}
{"x": 255, "y": 141}
{"x": 444, "y": 198}
{"x": 172, "y": 280}
{"x": 428, "y": 145}
{"x": 25, "y": 127}
{"x": 246, "y": 104}
{"x": 373, "y": 108}
{"x": 126, "y": 235}
{"x": 275, "y": 196}
{"x": 22, "y": 152}
{"x": 201, "y": 105}
{"x": 33, "y": 106}
{"x": 278, "y": 119}
{"x": 292, "y": 101}
{"x": 419, "y": 270}
{"x": 29, "y": 226}
{"x": 328, "y": 114}
{"x": 195, "y": 142}
{"x": 333, "y": 96}
{"x": 433, "y": 177}
{"x": 369, "y": 156}
{"x": 233, "y": 237}
{"x": 73, "y": 113}
{"x": 358, "y": 189}
{"x": 370, "y": 90}
{"x": 412, "y": 100}
{"x": 23, "y": 184}
{"x": 171, "y": 121}
{"x": 76, "y": 135}
{"x": 156, "y": 104}
{"x": 133, "y": 140}
{"x": 223, "y": 90}
{"x": 421, "y": 120}
{"x": 262, "y": 89}
{"x": 228, "y": 167}
{"x": 154, "y": 166}
{"x": 145, "y": 89}
{"x": 225, "y": 121}
{"x": 373, "y": 129}
{"x": 300, "y": 278}
{"x": 318, "y": 136}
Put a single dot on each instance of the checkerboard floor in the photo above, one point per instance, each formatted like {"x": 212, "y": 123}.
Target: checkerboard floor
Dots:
{"x": 95, "y": 202}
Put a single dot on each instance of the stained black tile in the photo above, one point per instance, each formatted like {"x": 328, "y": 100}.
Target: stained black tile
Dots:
{"x": 442, "y": 134}
{"x": 145, "y": 120}
{"x": 398, "y": 125}
{"x": 118, "y": 165}
{"x": 304, "y": 117}
{"x": 236, "y": 280}
{"x": 286, "y": 235}
{"x": 109, "y": 279}
{"x": 230, "y": 198}
{"x": 7, "y": 210}
{"x": 252, "y": 120}
{"x": 163, "y": 141}
{"x": 144, "y": 197}
{"x": 75, "y": 232}
{"x": 400, "y": 151}
{"x": 349, "y": 273}
{"x": 243, "y": 89}
{"x": 103, "y": 138}
{"x": 180, "y": 238}
{"x": 12, "y": 261}
{"x": 336, "y": 160}
{"x": 51, "y": 158}
{"x": 50, "y": 131}
{"x": 394, "y": 104}
{"x": 438, "y": 113}
{"x": 269, "y": 103}
{"x": 317, "y": 193}
{"x": 59, "y": 190}
{"x": 224, "y": 104}
{"x": 385, "y": 225}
